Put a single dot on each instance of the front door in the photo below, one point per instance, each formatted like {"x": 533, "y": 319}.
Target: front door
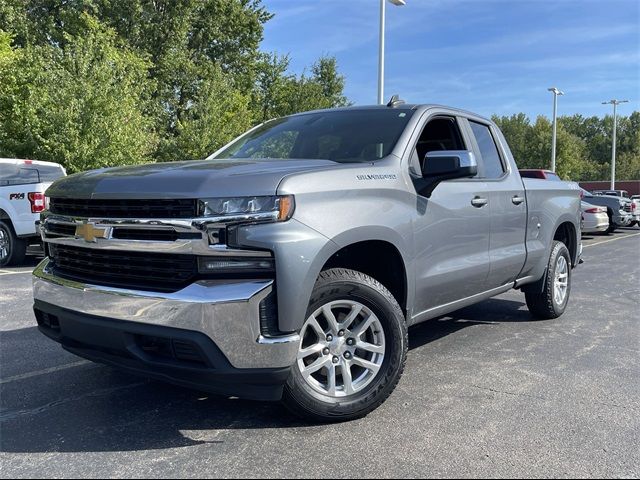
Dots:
{"x": 452, "y": 228}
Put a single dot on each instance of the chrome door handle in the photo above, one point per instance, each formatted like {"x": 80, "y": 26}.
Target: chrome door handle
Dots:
{"x": 479, "y": 202}
{"x": 517, "y": 200}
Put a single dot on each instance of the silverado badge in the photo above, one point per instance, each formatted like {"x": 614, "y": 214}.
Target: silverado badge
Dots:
{"x": 89, "y": 232}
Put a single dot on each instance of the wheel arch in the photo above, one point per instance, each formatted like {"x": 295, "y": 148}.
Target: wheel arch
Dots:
{"x": 567, "y": 233}
{"x": 379, "y": 259}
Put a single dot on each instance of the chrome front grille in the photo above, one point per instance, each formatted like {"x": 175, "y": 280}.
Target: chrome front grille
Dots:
{"x": 161, "y": 235}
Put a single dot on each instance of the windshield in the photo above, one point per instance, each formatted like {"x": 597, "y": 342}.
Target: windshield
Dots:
{"x": 346, "y": 136}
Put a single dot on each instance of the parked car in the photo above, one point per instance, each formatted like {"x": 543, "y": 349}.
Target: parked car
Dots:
{"x": 594, "y": 218}
{"x": 613, "y": 193}
{"x": 22, "y": 187}
{"x": 615, "y": 206}
{"x": 636, "y": 200}
{"x": 629, "y": 207}
{"x": 290, "y": 263}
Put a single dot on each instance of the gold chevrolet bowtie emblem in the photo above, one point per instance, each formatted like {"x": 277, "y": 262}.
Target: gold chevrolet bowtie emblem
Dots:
{"x": 89, "y": 232}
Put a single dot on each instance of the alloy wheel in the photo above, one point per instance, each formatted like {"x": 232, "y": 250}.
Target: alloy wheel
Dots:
{"x": 5, "y": 244}
{"x": 342, "y": 348}
{"x": 561, "y": 280}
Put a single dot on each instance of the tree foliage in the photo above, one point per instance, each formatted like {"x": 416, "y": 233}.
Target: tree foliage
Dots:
{"x": 92, "y": 83}
{"x": 583, "y": 150}
{"x": 80, "y": 105}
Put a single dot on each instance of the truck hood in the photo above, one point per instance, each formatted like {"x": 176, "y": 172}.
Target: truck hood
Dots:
{"x": 191, "y": 179}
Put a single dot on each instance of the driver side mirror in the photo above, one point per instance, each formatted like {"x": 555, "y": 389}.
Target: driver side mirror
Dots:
{"x": 445, "y": 165}
{"x": 449, "y": 164}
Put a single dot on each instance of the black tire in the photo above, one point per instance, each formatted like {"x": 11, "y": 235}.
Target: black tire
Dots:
{"x": 542, "y": 304}
{"x": 16, "y": 248}
{"x": 612, "y": 225}
{"x": 342, "y": 284}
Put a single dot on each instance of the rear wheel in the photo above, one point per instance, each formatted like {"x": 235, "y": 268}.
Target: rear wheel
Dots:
{"x": 12, "y": 248}
{"x": 352, "y": 351}
{"x": 552, "y": 301}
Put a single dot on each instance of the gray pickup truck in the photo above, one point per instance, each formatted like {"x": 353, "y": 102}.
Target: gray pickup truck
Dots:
{"x": 290, "y": 263}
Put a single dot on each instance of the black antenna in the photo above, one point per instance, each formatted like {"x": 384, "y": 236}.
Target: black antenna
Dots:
{"x": 395, "y": 100}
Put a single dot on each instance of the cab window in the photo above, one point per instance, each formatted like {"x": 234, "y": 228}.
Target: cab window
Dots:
{"x": 493, "y": 167}
{"x": 441, "y": 133}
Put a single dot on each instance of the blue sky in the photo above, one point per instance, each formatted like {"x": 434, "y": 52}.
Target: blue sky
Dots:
{"x": 488, "y": 56}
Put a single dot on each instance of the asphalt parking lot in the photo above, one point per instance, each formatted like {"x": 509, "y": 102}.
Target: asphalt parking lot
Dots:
{"x": 487, "y": 391}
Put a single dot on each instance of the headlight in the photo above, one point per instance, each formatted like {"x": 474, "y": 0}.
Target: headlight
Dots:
{"x": 276, "y": 208}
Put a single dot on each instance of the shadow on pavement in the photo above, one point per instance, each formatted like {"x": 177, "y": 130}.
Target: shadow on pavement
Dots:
{"x": 490, "y": 311}
{"x": 31, "y": 260}
{"x": 90, "y": 408}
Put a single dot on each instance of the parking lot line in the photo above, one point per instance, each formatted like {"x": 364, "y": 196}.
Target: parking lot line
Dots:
{"x": 612, "y": 240}
{"x": 44, "y": 372}
{"x": 4, "y": 272}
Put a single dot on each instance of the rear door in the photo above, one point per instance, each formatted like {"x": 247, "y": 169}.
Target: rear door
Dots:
{"x": 507, "y": 202}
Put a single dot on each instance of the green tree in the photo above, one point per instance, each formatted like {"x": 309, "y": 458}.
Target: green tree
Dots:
{"x": 218, "y": 113}
{"x": 517, "y": 130}
{"x": 272, "y": 87}
{"x": 9, "y": 59}
{"x": 81, "y": 106}
{"x": 325, "y": 74}
{"x": 188, "y": 74}
{"x": 583, "y": 145}
{"x": 279, "y": 93}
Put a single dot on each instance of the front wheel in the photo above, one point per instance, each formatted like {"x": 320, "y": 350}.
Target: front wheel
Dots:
{"x": 352, "y": 350}
{"x": 552, "y": 301}
{"x": 12, "y": 248}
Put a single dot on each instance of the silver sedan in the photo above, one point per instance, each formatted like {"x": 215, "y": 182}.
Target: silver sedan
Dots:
{"x": 594, "y": 218}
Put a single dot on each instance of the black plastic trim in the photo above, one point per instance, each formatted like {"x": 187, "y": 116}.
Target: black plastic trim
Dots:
{"x": 113, "y": 342}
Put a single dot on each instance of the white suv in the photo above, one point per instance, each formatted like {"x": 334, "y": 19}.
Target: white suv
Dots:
{"x": 22, "y": 187}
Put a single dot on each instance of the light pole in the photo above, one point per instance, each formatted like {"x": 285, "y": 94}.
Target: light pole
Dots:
{"x": 397, "y": 3}
{"x": 556, "y": 93}
{"x": 615, "y": 104}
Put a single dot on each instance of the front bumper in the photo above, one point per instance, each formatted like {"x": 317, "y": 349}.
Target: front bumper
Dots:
{"x": 217, "y": 323}
{"x": 623, "y": 219}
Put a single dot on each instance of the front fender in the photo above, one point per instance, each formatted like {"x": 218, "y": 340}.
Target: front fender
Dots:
{"x": 300, "y": 254}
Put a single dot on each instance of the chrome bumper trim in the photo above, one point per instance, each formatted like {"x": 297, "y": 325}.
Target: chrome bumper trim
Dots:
{"x": 227, "y": 312}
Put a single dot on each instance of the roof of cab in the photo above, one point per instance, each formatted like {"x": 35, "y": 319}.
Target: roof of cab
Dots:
{"x": 398, "y": 106}
{"x": 22, "y": 161}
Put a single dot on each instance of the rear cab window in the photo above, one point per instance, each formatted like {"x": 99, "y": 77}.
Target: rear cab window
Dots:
{"x": 29, "y": 174}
